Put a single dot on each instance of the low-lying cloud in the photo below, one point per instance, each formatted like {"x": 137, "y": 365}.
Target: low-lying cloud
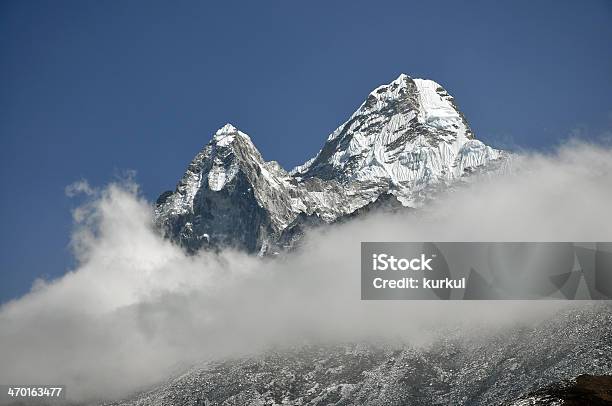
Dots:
{"x": 137, "y": 309}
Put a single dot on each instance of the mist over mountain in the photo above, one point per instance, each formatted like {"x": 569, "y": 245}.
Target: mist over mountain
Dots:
{"x": 456, "y": 368}
{"x": 406, "y": 147}
{"x": 180, "y": 302}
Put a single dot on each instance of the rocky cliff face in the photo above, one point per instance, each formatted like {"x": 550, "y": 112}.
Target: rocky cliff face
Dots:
{"x": 578, "y": 391}
{"x": 407, "y": 139}
{"x": 229, "y": 196}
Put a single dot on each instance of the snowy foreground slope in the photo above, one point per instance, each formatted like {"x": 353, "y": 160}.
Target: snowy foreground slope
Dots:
{"x": 406, "y": 140}
{"x": 515, "y": 366}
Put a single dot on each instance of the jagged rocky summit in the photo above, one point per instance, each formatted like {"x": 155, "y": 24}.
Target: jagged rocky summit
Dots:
{"x": 406, "y": 140}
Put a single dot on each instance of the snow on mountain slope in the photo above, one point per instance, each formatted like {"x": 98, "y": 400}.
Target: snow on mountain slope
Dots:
{"x": 512, "y": 366}
{"x": 408, "y": 133}
{"x": 406, "y": 138}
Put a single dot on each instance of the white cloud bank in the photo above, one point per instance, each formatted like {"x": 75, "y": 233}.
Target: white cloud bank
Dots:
{"x": 136, "y": 308}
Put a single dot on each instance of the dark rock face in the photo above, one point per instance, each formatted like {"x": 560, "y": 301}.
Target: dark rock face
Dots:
{"x": 227, "y": 198}
{"x": 581, "y": 391}
{"x": 233, "y": 214}
{"x": 455, "y": 369}
{"x": 386, "y": 202}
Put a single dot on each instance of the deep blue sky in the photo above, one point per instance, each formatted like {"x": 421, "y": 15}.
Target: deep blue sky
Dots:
{"x": 90, "y": 88}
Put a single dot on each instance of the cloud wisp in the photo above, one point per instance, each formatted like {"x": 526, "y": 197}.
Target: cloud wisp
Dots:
{"x": 136, "y": 308}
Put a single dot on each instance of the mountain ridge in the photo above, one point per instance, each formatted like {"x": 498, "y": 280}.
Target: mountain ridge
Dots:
{"x": 406, "y": 138}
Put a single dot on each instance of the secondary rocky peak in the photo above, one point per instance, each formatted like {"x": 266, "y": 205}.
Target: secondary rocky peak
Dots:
{"x": 228, "y": 196}
{"x": 227, "y": 134}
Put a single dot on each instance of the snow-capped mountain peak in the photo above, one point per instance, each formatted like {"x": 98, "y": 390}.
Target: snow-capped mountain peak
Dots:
{"x": 408, "y": 133}
{"x": 405, "y": 139}
{"x": 435, "y": 107}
